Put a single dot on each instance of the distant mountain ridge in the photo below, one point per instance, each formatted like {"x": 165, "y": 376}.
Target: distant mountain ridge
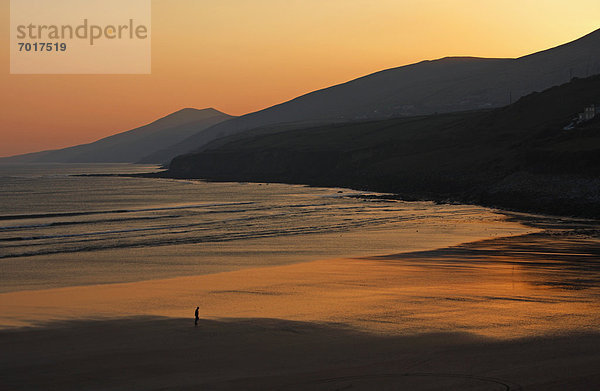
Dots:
{"x": 131, "y": 146}
{"x": 450, "y": 84}
{"x": 440, "y": 86}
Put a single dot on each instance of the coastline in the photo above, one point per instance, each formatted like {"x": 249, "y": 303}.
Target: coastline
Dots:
{"x": 349, "y": 227}
{"x": 525, "y": 203}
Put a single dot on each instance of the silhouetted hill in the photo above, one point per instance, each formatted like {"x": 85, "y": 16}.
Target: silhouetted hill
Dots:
{"x": 517, "y": 156}
{"x": 133, "y": 145}
{"x": 440, "y": 86}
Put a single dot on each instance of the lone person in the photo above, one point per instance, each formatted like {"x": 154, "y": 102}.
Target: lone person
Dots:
{"x": 196, "y": 315}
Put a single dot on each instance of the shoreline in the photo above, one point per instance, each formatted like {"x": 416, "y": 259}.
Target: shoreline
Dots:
{"x": 386, "y": 194}
{"x": 527, "y": 230}
{"x": 438, "y": 227}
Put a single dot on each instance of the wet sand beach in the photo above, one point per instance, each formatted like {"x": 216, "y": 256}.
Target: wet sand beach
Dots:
{"x": 509, "y": 313}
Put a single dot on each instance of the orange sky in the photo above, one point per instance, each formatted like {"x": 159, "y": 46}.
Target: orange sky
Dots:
{"x": 240, "y": 56}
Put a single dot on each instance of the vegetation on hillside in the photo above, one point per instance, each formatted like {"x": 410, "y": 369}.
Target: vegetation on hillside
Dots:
{"x": 518, "y": 156}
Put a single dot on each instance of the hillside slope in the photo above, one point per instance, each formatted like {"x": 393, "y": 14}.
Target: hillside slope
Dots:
{"x": 517, "y": 156}
{"x": 132, "y": 145}
{"x": 440, "y": 86}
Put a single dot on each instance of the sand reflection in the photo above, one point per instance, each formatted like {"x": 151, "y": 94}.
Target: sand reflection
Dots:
{"x": 506, "y": 288}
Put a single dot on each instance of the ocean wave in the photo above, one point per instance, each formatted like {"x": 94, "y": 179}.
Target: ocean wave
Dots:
{"x": 116, "y": 211}
{"x": 81, "y": 222}
{"x": 168, "y": 238}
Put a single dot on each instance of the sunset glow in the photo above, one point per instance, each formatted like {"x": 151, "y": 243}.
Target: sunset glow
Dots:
{"x": 241, "y": 56}
{"x": 300, "y": 195}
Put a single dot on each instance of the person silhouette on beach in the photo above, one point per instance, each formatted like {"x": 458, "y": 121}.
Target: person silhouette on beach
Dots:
{"x": 196, "y": 315}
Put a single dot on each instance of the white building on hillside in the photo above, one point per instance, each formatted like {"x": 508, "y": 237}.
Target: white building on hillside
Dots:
{"x": 589, "y": 113}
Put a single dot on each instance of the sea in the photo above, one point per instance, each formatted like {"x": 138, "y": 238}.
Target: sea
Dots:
{"x": 83, "y": 224}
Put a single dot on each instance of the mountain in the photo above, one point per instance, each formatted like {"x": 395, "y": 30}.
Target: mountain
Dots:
{"x": 519, "y": 156}
{"x": 133, "y": 145}
{"x": 440, "y": 86}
